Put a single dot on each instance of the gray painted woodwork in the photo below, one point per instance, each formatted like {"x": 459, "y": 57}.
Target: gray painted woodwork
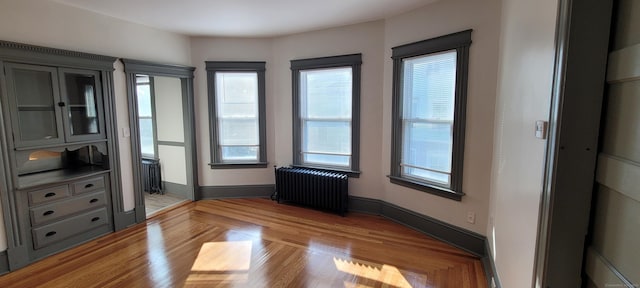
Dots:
{"x": 175, "y": 189}
{"x": 355, "y": 62}
{"x": 185, "y": 73}
{"x": 229, "y": 66}
{"x": 17, "y": 198}
{"x": 576, "y": 102}
{"x": 239, "y": 191}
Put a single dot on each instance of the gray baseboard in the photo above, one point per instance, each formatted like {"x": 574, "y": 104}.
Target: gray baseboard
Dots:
{"x": 4, "y": 262}
{"x": 125, "y": 219}
{"x": 489, "y": 266}
{"x": 175, "y": 189}
{"x": 236, "y": 191}
{"x": 469, "y": 241}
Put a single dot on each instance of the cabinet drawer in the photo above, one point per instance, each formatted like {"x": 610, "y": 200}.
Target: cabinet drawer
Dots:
{"x": 60, "y": 230}
{"x": 48, "y": 194}
{"x": 66, "y": 207}
{"x": 88, "y": 185}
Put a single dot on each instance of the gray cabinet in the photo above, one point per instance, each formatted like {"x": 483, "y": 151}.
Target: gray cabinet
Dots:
{"x": 60, "y": 175}
{"x": 52, "y": 105}
{"x": 61, "y": 212}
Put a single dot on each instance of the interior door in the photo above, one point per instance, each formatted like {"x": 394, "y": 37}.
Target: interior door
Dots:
{"x": 612, "y": 258}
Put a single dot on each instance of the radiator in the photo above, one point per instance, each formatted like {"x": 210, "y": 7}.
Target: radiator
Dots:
{"x": 151, "y": 179}
{"x": 314, "y": 188}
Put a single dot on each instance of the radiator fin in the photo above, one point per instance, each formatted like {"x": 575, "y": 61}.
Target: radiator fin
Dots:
{"x": 151, "y": 178}
{"x": 311, "y": 187}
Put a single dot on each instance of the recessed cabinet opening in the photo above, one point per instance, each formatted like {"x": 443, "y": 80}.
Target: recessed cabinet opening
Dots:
{"x": 51, "y": 164}
{"x": 30, "y": 162}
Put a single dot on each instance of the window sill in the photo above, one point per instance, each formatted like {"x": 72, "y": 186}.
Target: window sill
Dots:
{"x": 350, "y": 173}
{"x": 238, "y": 165}
{"x": 438, "y": 191}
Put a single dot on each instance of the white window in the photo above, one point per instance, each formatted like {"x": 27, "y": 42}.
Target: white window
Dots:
{"x": 145, "y": 115}
{"x": 237, "y": 113}
{"x": 326, "y": 100}
{"x": 325, "y": 112}
{"x": 428, "y": 116}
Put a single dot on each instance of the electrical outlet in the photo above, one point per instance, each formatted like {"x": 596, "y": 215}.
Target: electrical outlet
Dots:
{"x": 471, "y": 217}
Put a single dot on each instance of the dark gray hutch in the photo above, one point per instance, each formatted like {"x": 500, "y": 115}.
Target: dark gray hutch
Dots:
{"x": 59, "y": 177}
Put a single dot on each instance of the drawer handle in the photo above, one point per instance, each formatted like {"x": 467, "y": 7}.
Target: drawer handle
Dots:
{"x": 49, "y": 234}
{"x": 94, "y": 219}
{"x": 46, "y": 213}
{"x": 88, "y": 185}
{"x": 50, "y": 194}
{"x": 94, "y": 200}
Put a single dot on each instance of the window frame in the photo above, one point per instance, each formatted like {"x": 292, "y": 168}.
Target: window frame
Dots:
{"x": 258, "y": 67}
{"x": 354, "y": 61}
{"x": 154, "y": 124}
{"x": 460, "y": 41}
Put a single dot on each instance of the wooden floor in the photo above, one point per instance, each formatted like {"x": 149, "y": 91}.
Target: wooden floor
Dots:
{"x": 256, "y": 243}
{"x": 154, "y": 203}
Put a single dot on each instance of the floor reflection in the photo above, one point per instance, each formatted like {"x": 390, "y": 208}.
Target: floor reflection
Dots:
{"x": 368, "y": 272}
{"x": 159, "y": 265}
{"x": 221, "y": 262}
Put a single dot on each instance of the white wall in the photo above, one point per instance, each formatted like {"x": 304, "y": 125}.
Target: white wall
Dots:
{"x": 524, "y": 92}
{"x": 50, "y": 24}
{"x": 368, "y": 39}
{"x": 230, "y": 49}
{"x": 168, "y": 100}
{"x": 170, "y": 125}
{"x": 434, "y": 20}
{"x": 374, "y": 40}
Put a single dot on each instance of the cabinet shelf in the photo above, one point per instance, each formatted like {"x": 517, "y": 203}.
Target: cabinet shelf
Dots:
{"x": 69, "y": 146}
{"x": 57, "y": 176}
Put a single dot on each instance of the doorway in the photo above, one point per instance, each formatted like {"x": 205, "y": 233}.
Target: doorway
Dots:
{"x": 161, "y": 141}
{"x": 162, "y": 124}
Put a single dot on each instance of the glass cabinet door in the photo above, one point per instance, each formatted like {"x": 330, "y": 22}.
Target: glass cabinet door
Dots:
{"x": 83, "y": 108}
{"x": 33, "y": 96}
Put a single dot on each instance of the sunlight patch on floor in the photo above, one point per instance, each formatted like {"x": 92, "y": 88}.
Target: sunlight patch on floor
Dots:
{"x": 383, "y": 274}
{"x": 221, "y": 262}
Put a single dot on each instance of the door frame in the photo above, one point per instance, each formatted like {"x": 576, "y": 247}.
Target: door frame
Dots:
{"x": 185, "y": 74}
{"x": 582, "y": 40}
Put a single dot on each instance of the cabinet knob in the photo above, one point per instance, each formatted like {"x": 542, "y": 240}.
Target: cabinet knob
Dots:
{"x": 88, "y": 185}
{"x": 49, "y": 234}
{"x": 46, "y": 213}
{"x": 61, "y": 104}
{"x": 94, "y": 200}
{"x": 50, "y": 194}
{"x": 94, "y": 219}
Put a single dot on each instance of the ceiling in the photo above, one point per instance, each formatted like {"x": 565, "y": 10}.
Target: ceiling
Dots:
{"x": 246, "y": 18}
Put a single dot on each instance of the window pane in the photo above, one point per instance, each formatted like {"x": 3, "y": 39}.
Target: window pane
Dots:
{"x": 428, "y": 101}
{"x": 238, "y": 131}
{"x": 144, "y": 100}
{"x": 334, "y": 160}
{"x": 326, "y": 93}
{"x": 237, "y": 94}
{"x": 146, "y": 136}
{"x": 326, "y": 137}
{"x": 427, "y": 175}
{"x": 429, "y": 86}
{"x": 427, "y": 145}
{"x": 240, "y": 153}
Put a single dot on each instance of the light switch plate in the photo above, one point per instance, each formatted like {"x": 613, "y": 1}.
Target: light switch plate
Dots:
{"x": 541, "y": 129}
{"x": 126, "y": 132}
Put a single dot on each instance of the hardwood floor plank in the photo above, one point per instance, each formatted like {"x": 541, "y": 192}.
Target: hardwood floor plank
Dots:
{"x": 256, "y": 243}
